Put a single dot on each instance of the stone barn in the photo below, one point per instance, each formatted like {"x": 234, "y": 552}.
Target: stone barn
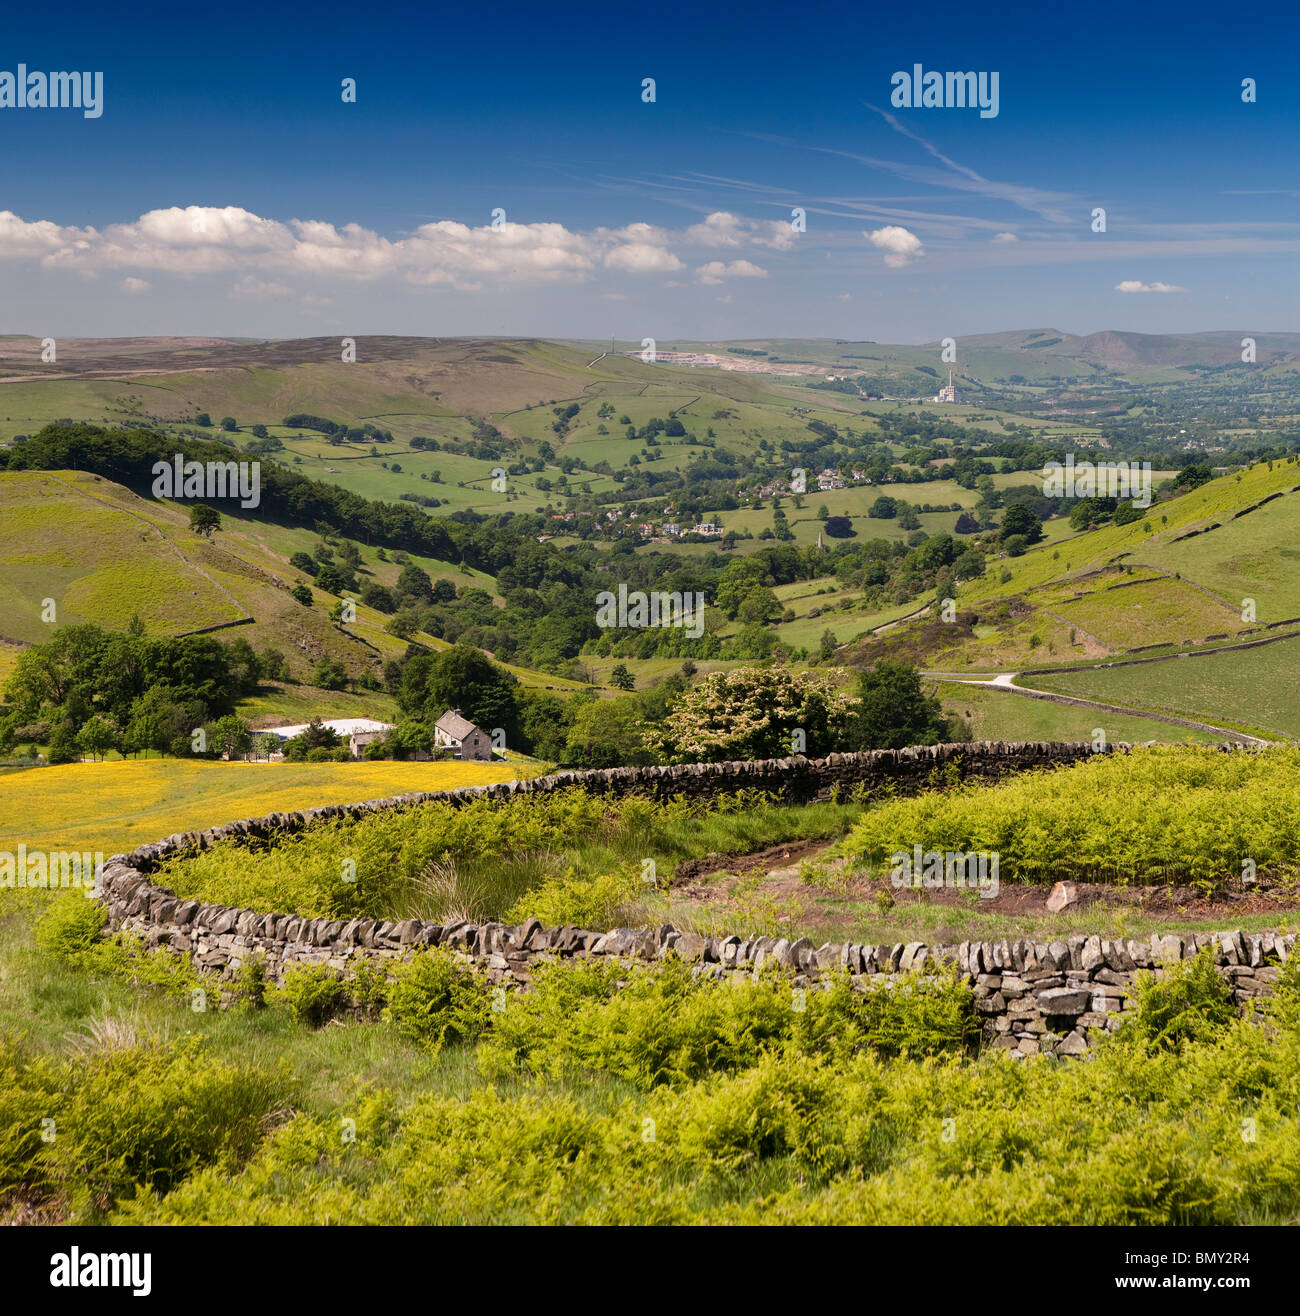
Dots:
{"x": 454, "y": 732}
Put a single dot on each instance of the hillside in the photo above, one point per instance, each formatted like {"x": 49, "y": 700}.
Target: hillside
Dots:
{"x": 1202, "y": 574}
{"x": 584, "y": 456}
{"x": 104, "y": 554}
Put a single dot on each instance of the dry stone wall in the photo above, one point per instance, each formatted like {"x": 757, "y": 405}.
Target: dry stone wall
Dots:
{"x": 1054, "y": 996}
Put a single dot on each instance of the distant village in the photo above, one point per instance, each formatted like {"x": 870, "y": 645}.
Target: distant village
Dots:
{"x": 824, "y": 481}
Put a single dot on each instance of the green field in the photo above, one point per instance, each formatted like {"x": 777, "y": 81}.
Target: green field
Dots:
{"x": 1253, "y": 687}
{"x": 1254, "y": 556}
{"x": 1150, "y": 612}
{"x": 1002, "y": 715}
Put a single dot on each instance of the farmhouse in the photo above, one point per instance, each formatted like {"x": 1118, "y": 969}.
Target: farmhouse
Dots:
{"x": 452, "y": 731}
{"x": 357, "y": 731}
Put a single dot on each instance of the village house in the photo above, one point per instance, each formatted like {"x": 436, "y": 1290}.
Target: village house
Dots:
{"x": 454, "y": 732}
{"x": 357, "y": 732}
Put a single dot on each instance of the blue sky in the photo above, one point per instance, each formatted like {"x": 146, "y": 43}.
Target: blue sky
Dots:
{"x": 227, "y": 189}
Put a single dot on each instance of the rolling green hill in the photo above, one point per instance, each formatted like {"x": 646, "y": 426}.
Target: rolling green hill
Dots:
{"x": 1120, "y": 588}
{"x": 555, "y": 416}
{"x": 103, "y": 555}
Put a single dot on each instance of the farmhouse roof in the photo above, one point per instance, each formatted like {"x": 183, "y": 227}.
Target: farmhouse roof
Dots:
{"x": 343, "y": 726}
{"x": 456, "y": 726}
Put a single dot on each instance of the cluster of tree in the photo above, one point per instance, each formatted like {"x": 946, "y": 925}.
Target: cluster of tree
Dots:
{"x": 775, "y": 712}
{"x": 89, "y": 690}
{"x": 334, "y": 574}
{"x": 1020, "y": 529}
{"x": 894, "y": 571}
{"x": 302, "y": 420}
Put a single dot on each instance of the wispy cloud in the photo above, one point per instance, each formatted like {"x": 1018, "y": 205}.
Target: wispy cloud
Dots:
{"x": 1047, "y": 205}
{"x": 1136, "y": 285}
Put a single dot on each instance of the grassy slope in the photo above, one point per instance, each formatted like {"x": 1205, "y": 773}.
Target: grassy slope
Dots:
{"x": 64, "y": 536}
{"x": 1001, "y": 715}
{"x": 1047, "y": 580}
{"x": 1255, "y": 687}
{"x": 1254, "y": 556}
{"x": 103, "y": 554}
{"x": 1215, "y": 501}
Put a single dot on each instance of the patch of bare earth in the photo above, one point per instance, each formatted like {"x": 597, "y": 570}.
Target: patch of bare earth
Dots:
{"x": 713, "y": 879}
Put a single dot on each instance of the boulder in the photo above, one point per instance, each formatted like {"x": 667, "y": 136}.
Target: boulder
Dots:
{"x": 1063, "y": 895}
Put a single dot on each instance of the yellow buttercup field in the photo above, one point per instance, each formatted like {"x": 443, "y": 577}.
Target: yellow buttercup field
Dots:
{"x": 118, "y": 805}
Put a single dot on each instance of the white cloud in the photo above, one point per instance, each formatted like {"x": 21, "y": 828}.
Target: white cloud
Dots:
{"x": 195, "y": 240}
{"x": 845, "y": 297}
{"x": 1004, "y": 237}
{"x": 135, "y": 286}
{"x": 641, "y": 258}
{"x": 723, "y": 229}
{"x": 900, "y": 245}
{"x": 19, "y": 239}
{"x": 715, "y": 271}
{"x": 1134, "y": 285}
